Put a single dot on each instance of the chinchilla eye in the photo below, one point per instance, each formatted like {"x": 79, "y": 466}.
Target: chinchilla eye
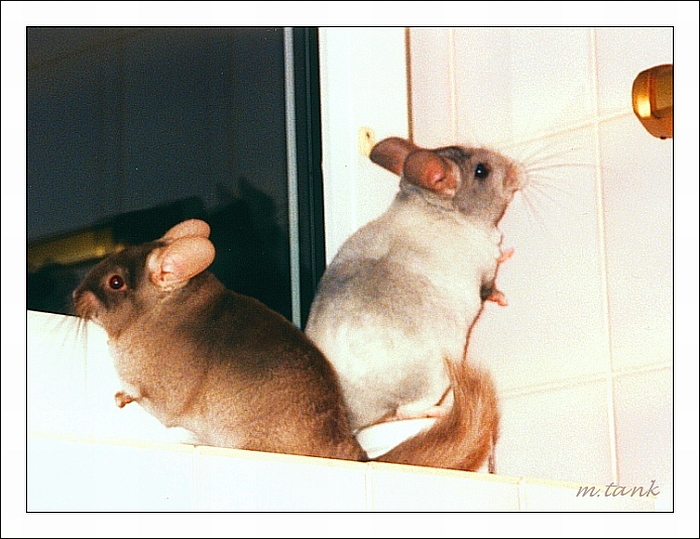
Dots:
{"x": 116, "y": 282}
{"x": 481, "y": 172}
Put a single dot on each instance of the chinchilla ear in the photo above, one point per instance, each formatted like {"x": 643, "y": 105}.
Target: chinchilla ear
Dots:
{"x": 191, "y": 227}
{"x": 172, "y": 266}
{"x": 391, "y": 153}
{"x": 429, "y": 170}
{"x": 416, "y": 165}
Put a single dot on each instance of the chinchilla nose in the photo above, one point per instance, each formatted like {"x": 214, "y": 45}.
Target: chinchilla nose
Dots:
{"x": 516, "y": 177}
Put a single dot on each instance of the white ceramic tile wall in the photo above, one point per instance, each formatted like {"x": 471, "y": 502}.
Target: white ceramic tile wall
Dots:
{"x": 644, "y": 415}
{"x": 561, "y": 434}
{"x": 554, "y": 325}
{"x": 621, "y": 53}
{"x": 588, "y": 327}
{"x": 502, "y": 84}
{"x": 637, "y": 210}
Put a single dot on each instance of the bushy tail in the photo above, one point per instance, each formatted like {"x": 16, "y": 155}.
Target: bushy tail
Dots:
{"x": 462, "y": 439}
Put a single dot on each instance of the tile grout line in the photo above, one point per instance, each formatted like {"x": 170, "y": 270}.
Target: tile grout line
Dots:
{"x": 553, "y": 132}
{"x": 580, "y": 380}
{"x": 369, "y": 488}
{"x": 522, "y": 494}
{"x": 609, "y": 378}
{"x": 196, "y": 479}
{"x": 453, "y": 83}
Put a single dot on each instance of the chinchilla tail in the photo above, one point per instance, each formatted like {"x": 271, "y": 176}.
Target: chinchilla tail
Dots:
{"x": 462, "y": 439}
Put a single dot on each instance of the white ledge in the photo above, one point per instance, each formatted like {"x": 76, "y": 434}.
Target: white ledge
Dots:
{"x": 85, "y": 454}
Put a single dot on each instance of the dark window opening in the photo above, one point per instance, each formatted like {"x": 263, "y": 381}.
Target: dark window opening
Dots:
{"x": 132, "y": 130}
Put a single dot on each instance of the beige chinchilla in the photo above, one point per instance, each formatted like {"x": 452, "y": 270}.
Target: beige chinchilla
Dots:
{"x": 217, "y": 363}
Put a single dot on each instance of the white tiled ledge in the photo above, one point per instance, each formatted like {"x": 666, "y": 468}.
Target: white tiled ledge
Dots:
{"x": 84, "y": 473}
{"x": 85, "y": 454}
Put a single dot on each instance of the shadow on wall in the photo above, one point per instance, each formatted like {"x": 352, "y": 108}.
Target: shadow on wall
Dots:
{"x": 252, "y": 255}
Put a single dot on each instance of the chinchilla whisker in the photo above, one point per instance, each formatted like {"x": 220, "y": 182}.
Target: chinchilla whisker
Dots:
{"x": 539, "y": 190}
{"x": 559, "y": 165}
{"x": 81, "y": 330}
{"x": 83, "y": 339}
{"x": 79, "y": 347}
{"x": 63, "y": 324}
{"x": 538, "y": 156}
{"x": 548, "y": 182}
{"x": 534, "y": 155}
{"x": 532, "y": 212}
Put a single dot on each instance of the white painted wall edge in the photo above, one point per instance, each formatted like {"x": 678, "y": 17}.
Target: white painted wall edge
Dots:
{"x": 363, "y": 86}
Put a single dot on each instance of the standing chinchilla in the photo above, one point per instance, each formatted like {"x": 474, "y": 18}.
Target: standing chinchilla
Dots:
{"x": 394, "y": 309}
